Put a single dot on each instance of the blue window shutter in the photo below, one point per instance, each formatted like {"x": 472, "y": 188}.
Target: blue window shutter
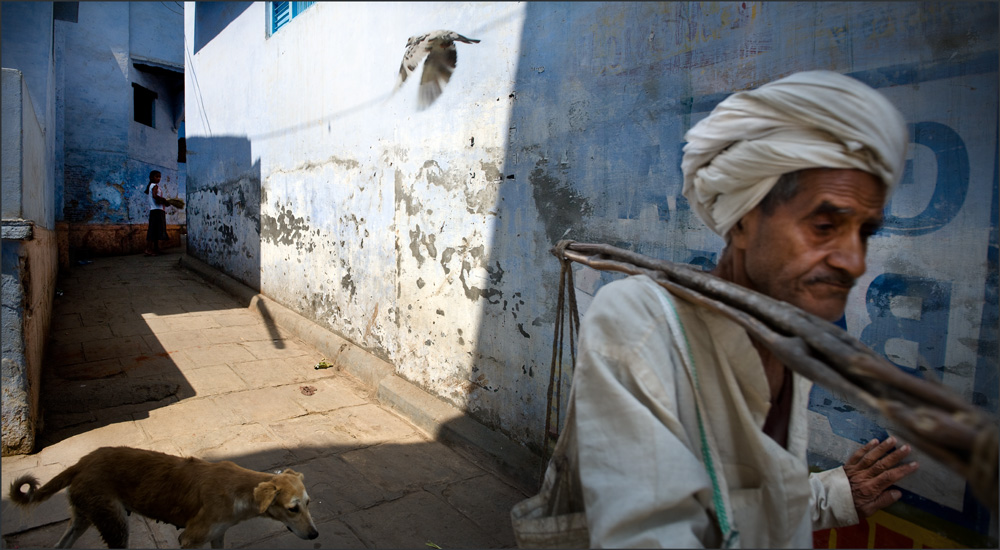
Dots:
{"x": 280, "y": 15}
{"x": 299, "y": 7}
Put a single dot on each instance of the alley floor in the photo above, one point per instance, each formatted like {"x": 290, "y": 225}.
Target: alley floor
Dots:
{"x": 146, "y": 354}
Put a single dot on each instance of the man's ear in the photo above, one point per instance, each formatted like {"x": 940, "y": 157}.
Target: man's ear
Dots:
{"x": 264, "y": 494}
{"x": 739, "y": 235}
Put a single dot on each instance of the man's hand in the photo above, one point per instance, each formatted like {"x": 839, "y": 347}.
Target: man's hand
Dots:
{"x": 872, "y": 469}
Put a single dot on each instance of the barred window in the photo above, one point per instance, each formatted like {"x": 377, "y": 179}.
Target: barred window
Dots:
{"x": 280, "y": 13}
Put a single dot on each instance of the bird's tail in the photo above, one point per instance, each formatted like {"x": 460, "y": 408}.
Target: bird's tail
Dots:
{"x": 36, "y": 494}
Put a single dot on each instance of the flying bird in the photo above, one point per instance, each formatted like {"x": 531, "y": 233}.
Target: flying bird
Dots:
{"x": 439, "y": 49}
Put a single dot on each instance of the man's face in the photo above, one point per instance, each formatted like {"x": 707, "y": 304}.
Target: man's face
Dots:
{"x": 811, "y": 249}
{"x": 155, "y": 178}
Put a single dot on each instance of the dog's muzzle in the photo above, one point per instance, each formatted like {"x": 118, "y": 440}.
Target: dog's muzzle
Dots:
{"x": 313, "y": 533}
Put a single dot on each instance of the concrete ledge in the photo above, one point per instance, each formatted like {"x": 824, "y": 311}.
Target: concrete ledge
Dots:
{"x": 18, "y": 230}
{"x": 428, "y": 412}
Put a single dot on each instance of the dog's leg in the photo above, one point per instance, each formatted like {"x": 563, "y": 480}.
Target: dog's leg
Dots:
{"x": 78, "y": 524}
{"x": 109, "y": 519}
{"x": 194, "y": 535}
{"x": 220, "y": 541}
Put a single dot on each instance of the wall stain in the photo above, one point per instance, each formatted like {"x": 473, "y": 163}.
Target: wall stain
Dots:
{"x": 559, "y": 206}
{"x": 491, "y": 171}
{"x": 349, "y": 164}
{"x": 412, "y": 204}
{"x": 240, "y": 198}
{"x": 428, "y": 242}
{"x": 348, "y": 284}
{"x": 446, "y": 258}
{"x": 287, "y": 229}
{"x": 228, "y": 235}
{"x": 432, "y": 171}
{"x": 496, "y": 274}
{"x": 415, "y": 246}
{"x": 491, "y": 295}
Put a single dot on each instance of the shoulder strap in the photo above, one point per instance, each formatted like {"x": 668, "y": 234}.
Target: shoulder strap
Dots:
{"x": 730, "y": 535}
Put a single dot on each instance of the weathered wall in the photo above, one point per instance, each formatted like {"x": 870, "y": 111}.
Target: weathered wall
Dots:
{"x": 157, "y": 32}
{"x": 106, "y": 155}
{"x": 424, "y": 236}
{"x": 27, "y": 47}
{"x": 29, "y": 259}
{"x": 28, "y": 194}
{"x": 29, "y": 276}
{"x": 304, "y": 186}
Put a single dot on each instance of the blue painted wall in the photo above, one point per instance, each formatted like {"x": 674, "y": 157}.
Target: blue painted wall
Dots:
{"x": 27, "y": 46}
{"x": 106, "y": 155}
{"x": 423, "y": 236}
{"x": 29, "y": 258}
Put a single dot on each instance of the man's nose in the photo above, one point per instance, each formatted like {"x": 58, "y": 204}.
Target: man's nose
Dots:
{"x": 849, "y": 255}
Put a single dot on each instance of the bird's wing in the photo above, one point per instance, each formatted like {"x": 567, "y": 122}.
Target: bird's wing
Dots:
{"x": 459, "y": 38}
{"x": 416, "y": 48}
{"x": 438, "y": 67}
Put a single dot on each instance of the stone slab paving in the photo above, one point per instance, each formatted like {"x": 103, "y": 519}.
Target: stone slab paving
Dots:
{"x": 240, "y": 388}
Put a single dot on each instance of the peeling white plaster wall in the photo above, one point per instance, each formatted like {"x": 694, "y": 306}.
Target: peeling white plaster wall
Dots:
{"x": 375, "y": 219}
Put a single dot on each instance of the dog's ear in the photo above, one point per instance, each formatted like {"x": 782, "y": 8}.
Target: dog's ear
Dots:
{"x": 264, "y": 495}
{"x": 294, "y": 473}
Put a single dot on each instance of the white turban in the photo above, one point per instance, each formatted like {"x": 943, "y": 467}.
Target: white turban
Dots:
{"x": 812, "y": 119}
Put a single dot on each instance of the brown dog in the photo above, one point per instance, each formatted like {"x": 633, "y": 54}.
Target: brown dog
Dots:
{"x": 203, "y": 498}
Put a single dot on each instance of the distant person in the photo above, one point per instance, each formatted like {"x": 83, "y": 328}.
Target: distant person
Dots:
{"x": 157, "y": 216}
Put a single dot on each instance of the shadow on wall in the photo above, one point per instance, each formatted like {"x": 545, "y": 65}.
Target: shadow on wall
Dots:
{"x": 593, "y": 155}
{"x": 211, "y": 17}
{"x": 223, "y": 206}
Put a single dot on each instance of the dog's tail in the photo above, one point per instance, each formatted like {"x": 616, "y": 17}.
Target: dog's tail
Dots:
{"x": 36, "y": 494}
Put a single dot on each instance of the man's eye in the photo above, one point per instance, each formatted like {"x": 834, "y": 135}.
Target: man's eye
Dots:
{"x": 868, "y": 232}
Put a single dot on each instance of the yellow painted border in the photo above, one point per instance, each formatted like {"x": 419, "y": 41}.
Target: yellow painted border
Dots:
{"x": 921, "y": 537}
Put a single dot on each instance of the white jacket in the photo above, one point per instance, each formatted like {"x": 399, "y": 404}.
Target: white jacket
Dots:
{"x": 639, "y": 445}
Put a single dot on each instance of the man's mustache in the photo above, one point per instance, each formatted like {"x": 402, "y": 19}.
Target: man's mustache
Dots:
{"x": 836, "y": 278}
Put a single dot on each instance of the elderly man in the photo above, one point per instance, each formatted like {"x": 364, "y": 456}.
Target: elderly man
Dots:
{"x": 687, "y": 432}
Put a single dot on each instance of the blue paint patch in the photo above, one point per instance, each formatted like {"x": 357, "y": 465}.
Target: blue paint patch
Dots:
{"x": 951, "y": 182}
{"x": 704, "y": 259}
{"x": 925, "y": 329}
{"x": 916, "y": 73}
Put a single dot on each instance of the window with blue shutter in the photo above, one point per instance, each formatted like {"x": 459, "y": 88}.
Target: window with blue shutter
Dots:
{"x": 299, "y": 7}
{"x": 282, "y": 12}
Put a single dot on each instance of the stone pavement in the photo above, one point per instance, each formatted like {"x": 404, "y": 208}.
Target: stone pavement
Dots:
{"x": 147, "y": 354}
